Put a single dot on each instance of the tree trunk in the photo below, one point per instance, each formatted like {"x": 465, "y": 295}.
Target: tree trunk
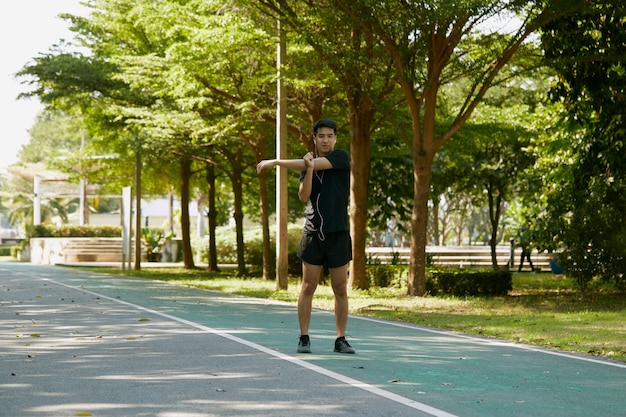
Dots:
{"x": 238, "y": 214}
{"x": 495, "y": 204}
{"x": 436, "y": 236}
{"x": 185, "y": 175}
{"x": 268, "y": 260}
{"x": 359, "y": 181}
{"x": 423, "y": 151}
{"x": 212, "y": 215}
{"x": 422, "y": 165}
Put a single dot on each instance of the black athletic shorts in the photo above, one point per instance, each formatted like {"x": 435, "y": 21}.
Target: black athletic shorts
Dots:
{"x": 331, "y": 249}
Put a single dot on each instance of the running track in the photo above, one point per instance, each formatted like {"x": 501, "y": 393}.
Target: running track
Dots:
{"x": 83, "y": 343}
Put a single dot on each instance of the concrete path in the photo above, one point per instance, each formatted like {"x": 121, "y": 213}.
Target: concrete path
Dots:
{"x": 81, "y": 343}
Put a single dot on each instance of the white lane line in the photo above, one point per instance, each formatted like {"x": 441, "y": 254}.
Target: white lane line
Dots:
{"x": 435, "y": 412}
{"x": 494, "y": 342}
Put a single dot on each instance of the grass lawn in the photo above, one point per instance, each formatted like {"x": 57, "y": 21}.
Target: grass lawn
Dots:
{"x": 542, "y": 309}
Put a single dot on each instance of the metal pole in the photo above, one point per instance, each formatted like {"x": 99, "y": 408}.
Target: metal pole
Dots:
{"x": 127, "y": 212}
{"x": 138, "y": 242}
{"x": 83, "y": 200}
{"x": 37, "y": 200}
{"x": 83, "y": 205}
{"x": 512, "y": 255}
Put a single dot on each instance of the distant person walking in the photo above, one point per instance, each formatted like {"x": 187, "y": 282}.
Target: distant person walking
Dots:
{"x": 523, "y": 241}
{"x": 325, "y": 188}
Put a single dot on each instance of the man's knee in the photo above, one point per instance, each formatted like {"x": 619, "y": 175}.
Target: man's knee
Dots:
{"x": 308, "y": 289}
{"x": 340, "y": 287}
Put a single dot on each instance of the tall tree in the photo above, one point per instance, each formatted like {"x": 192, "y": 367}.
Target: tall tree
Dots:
{"x": 367, "y": 81}
{"x": 430, "y": 44}
{"x": 487, "y": 160}
{"x": 585, "y": 205}
{"x": 55, "y": 135}
{"x": 225, "y": 66}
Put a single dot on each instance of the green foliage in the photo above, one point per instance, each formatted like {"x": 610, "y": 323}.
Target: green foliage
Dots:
{"x": 21, "y": 205}
{"x": 178, "y": 80}
{"x": 54, "y": 135}
{"x": 15, "y": 250}
{"x": 485, "y": 166}
{"x": 154, "y": 239}
{"x": 384, "y": 276}
{"x": 583, "y": 211}
{"x": 226, "y": 242}
{"x": 391, "y": 196}
{"x": 42, "y": 230}
{"x": 461, "y": 282}
{"x": 380, "y": 275}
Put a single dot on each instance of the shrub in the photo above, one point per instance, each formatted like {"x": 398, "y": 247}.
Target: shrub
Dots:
{"x": 226, "y": 242}
{"x": 294, "y": 266}
{"x": 383, "y": 275}
{"x": 254, "y": 248}
{"x": 43, "y": 230}
{"x": 464, "y": 282}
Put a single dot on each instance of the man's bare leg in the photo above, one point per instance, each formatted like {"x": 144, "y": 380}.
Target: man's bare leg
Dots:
{"x": 310, "y": 279}
{"x": 339, "y": 282}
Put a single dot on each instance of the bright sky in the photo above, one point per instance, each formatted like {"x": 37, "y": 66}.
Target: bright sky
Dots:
{"x": 27, "y": 28}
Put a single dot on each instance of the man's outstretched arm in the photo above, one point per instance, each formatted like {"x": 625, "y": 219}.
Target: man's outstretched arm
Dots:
{"x": 319, "y": 164}
{"x": 297, "y": 164}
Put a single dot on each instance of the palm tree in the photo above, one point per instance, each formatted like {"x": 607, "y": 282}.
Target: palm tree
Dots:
{"x": 22, "y": 209}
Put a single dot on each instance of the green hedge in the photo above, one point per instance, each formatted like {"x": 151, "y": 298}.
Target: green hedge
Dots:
{"x": 457, "y": 282}
{"x": 225, "y": 238}
{"x": 463, "y": 282}
{"x": 383, "y": 275}
{"x": 42, "y": 230}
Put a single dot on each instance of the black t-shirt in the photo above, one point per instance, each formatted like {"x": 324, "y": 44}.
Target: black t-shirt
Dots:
{"x": 327, "y": 208}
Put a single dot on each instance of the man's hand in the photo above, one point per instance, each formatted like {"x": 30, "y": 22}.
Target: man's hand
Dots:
{"x": 266, "y": 163}
{"x": 308, "y": 160}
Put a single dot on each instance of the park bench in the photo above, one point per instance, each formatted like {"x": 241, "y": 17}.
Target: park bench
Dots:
{"x": 51, "y": 251}
{"x": 461, "y": 256}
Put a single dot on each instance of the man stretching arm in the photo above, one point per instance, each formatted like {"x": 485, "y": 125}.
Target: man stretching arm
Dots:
{"x": 325, "y": 187}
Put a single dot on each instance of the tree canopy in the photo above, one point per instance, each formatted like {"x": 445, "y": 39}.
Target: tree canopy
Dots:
{"x": 583, "y": 211}
{"x": 439, "y": 94}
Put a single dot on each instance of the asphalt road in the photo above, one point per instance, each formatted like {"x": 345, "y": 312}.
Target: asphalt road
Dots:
{"x": 80, "y": 343}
